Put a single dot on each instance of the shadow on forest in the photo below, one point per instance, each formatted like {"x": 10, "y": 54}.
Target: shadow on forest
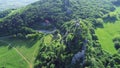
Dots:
{"x": 116, "y": 3}
{"x": 17, "y": 42}
{"x": 110, "y": 20}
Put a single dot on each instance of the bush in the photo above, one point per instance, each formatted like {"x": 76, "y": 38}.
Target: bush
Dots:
{"x": 111, "y": 17}
{"x": 20, "y": 35}
{"x": 116, "y": 38}
{"x": 116, "y": 41}
{"x": 94, "y": 37}
{"x": 99, "y": 22}
{"x": 119, "y": 51}
{"x": 117, "y": 59}
{"x": 31, "y": 36}
{"x": 117, "y": 44}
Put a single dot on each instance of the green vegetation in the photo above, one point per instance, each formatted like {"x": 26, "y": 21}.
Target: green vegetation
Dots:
{"x": 11, "y": 58}
{"x": 56, "y": 12}
{"x": 5, "y": 13}
{"x": 105, "y": 38}
{"x": 106, "y": 34}
{"x": 116, "y": 41}
{"x": 61, "y": 34}
{"x": 116, "y": 2}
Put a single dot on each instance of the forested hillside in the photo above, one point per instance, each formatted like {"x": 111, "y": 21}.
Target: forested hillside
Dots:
{"x": 57, "y": 11}
{"x": 62, "y": 33}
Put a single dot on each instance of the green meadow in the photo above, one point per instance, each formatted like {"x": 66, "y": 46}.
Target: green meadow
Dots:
{"x": 21, "y": 55}
{"x": 107, "y": 33}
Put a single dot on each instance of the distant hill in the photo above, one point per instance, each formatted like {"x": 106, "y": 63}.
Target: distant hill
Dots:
{"x": 56, "y": 12}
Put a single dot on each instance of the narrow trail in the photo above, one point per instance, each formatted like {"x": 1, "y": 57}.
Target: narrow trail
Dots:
{"x": 28, "y": 62}
{"x": 46, "y": 31}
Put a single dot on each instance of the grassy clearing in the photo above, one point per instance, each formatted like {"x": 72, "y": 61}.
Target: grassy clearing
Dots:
{"x": 106, "y": 34}
{"x": 47, "y": 39}
{"x": 9, "y": 58}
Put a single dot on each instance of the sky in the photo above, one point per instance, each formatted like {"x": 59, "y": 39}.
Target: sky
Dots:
{"x": 7, "y": 4}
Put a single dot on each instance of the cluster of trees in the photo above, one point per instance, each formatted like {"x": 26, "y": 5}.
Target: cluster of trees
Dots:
{"x": 5, "y": 13}
{"x": 77, "y": 42}
{"x": 116, "y": 2}
{"x": 87, "y": 9}
{"x": 51, "y": 55}
{"x": 59, "y": 53}
{"x": 98, "y": 22}
{"x": 111, "y": 17}
{"x": 79, "y": 39}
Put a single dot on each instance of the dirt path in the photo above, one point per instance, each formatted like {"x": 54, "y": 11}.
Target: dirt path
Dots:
{"x": 9, "y": 44}
{"x": 30, "y": 64}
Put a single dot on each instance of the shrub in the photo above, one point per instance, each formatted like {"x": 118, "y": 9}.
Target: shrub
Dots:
{"x": 117, "y": 44}
{"x": 116, "y": 41}
{"x": 116, "y": 38}
{"x": 111, "y": 17}
{"x": 20, "y": 35}
{"x": 119, "y": 51}
{"x": 94, "y": 36}
{"x": 117, "y": 59}
{"x": 99, "y": 22}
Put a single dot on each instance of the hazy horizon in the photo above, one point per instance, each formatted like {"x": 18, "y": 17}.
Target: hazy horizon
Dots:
{"x": 7, "y": 4}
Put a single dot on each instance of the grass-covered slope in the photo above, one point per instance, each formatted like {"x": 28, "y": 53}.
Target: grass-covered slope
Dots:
{"x": 18, "y": 53}
{"x": 108, "y": 32}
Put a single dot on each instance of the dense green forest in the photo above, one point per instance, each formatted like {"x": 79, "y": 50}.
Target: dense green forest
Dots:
{"x": 61, "y": 34}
